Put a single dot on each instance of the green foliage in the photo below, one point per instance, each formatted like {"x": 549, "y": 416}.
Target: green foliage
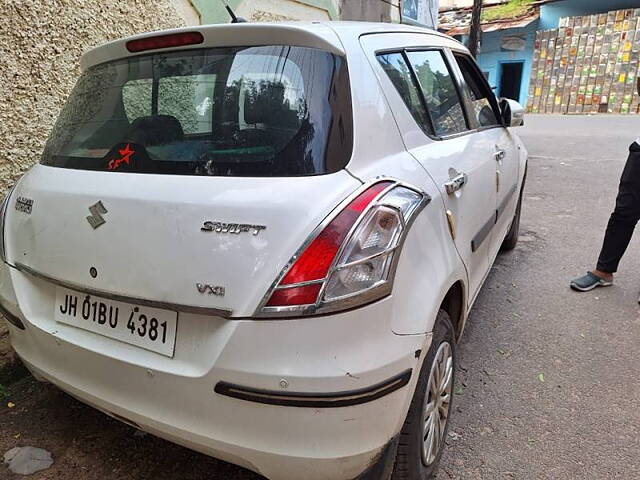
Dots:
{"x": 511, "y": 9}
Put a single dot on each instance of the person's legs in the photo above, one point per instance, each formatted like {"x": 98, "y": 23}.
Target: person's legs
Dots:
{"x": 625, "y": 216}
{"x": 620, "y": 227}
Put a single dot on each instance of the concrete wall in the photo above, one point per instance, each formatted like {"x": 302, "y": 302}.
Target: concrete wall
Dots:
{"x": 187, "y": 12}
{"x": 40, "y": 44}
{"x": 212, "y": 11}
{"x": 551, "y": 13}
{"x": 278, "y": 10}
{"x": 370, "y": 10}
{"x": 455, "y": 3}
{"x": 492, "y": 56}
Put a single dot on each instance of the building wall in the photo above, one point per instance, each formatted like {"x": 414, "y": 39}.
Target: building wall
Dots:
{"x": 187, "y": 12}
{"x": 213, "y": 11}
{"x": 455, "y": 3}
{"x": 588, "y": 66}
{"x": 370, "y": 10}
{"x": 40, "y": 45}
{"x": 551, "y": 13}
{"x": 492, "y": 56}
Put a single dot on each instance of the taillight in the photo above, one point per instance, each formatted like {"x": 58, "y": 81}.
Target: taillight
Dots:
{"x": 165, "y": 41}
{"x": 350, "y": 259}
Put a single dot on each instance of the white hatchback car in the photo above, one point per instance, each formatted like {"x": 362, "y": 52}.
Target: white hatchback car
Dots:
{"x": 262, "y": 241}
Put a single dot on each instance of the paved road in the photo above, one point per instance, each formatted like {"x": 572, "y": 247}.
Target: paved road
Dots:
{"x": 583, "y": 421}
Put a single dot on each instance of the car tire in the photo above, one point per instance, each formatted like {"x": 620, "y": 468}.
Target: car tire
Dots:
{"x": 511, "y": 240}
{"x": 417, "y": 458}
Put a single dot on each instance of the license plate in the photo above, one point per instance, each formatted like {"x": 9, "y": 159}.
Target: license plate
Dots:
{"x": 145, "y": 327}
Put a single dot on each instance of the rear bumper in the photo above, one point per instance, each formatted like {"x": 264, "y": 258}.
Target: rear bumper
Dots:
{"x": 353, "y": 354}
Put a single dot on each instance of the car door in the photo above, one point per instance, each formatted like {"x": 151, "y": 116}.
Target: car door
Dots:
{"x": 426, "y": 101}
{"x": 483, "y": 112}
{"x": 458, "y": 160}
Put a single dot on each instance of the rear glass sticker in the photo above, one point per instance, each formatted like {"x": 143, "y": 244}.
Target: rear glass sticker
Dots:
{"x": 125, "y": 157}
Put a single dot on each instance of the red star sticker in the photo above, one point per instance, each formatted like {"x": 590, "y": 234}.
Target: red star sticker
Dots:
{"x": 126, "y": 153}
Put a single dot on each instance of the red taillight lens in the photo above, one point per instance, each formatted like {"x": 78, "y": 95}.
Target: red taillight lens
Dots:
{"x": 165, "y": 41}
{"x": 295, "y": 296}
{"x": 351, "y": 261}
{"x": 315, "y": 261}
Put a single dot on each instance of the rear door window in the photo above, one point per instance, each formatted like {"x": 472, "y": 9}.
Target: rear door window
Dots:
{"x": 248, "y": 111}
{"x": 440, "y": 92}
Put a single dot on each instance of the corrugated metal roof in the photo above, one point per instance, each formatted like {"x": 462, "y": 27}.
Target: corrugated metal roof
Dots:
{"x": 493, "y": 26}
{"x": 492, "y": 3}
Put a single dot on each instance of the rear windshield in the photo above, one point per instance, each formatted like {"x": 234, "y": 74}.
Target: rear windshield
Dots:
{"x": 256, "y": 111}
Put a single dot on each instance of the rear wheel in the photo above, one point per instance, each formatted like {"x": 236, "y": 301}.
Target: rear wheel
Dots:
{"x": 511, "y": 240}
{"x": 425, "y": 429}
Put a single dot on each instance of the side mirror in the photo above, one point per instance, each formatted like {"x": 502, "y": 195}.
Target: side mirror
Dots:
{"x": 512, "y": 113}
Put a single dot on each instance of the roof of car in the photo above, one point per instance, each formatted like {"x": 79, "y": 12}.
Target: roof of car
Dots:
{"x": 330, "y": 36}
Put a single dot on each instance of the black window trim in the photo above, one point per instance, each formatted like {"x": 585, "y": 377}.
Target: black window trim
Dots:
{"x": 423, "y": 100}
{"x": 429, "y": 129}
{"x": 465, "y": 88}
{"x": 454, "y": 72}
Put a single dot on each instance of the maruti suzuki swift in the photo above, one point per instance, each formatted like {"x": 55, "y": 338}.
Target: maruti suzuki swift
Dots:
{"x": 262, "y": 241}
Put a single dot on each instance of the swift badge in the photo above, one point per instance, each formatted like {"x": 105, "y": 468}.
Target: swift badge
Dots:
{"x": 237, "y": 228}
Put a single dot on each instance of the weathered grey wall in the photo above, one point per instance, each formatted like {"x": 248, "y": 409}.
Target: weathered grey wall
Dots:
{"x": 370, "y": 10}
{"x": 40, "y": 44}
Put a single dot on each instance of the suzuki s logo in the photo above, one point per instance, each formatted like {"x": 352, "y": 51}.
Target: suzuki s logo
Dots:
{"x": 96, "y": 219}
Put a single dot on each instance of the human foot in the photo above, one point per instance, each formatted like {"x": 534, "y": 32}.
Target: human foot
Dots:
{"x": 590, "y": 281}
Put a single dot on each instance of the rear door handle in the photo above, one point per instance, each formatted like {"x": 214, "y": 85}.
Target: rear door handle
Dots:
{"x": 456, "y": 183}
{"x": 500, "y": 154}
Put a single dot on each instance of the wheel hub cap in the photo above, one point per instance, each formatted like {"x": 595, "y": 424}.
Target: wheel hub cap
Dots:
{"x": 436, "y": 403}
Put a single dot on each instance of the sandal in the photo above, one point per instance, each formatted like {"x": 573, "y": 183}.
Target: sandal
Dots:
{"x": 589, "y": 282}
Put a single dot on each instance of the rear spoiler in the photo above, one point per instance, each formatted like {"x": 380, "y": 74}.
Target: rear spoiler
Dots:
{"x": 300, "y": 34}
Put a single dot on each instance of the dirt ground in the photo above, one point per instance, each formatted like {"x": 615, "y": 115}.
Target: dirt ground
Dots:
{"x": 6, "y": 354}
{"x": 5, "y": 349}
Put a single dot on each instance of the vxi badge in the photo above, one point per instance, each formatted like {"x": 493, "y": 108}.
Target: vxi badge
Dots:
{"x": 221, "y": 227}
{"x": 210, "y": 289}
